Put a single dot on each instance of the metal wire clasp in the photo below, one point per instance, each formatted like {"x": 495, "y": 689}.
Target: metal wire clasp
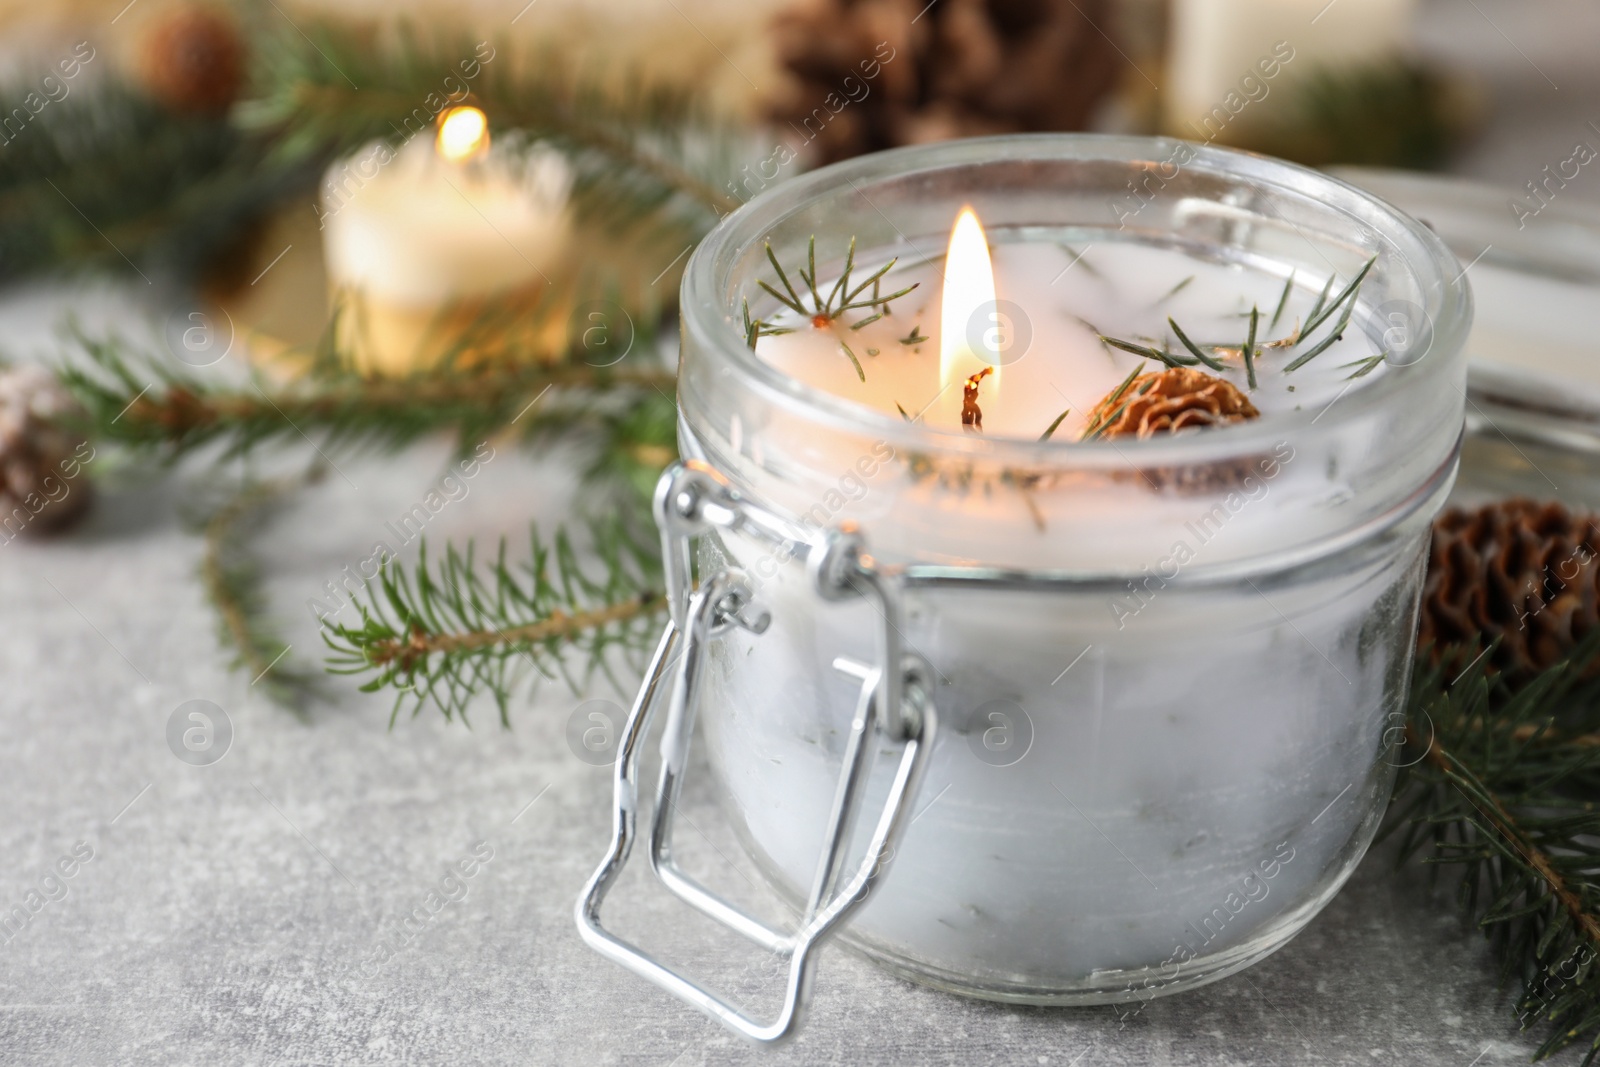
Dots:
{"x": 895, "y": 698}
{"x": 692, "y": 498}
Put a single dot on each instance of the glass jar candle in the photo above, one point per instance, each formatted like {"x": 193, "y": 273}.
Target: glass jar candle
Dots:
{"x": 1168, "y": 673}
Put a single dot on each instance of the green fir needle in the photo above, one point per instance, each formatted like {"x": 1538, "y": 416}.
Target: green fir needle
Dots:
{"x": 1249, "y": 349}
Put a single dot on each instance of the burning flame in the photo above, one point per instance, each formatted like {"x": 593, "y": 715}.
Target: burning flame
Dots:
{"x": 968, "y": 305}
{"x": 463, "y": 134}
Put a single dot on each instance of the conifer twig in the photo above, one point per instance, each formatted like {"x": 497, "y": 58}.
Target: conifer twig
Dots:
{"x": 113, "y": 180}
{"x": 1499, "y": 781}
{"x": 559, "y": 625}
{"x": 233, "y": 583}
{"x": 136, "y": 399}
{"x": 445, "y": 632}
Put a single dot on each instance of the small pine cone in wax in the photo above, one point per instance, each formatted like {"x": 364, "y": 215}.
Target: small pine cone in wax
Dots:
{"x": 1520, "y": 571}
{"x": 874, "y": 74}
{"x": 193, "y": 60}
{"x": 43, "y": 488}
{"x": 1179, "y": 398}
{"x": 1170, "y": 401}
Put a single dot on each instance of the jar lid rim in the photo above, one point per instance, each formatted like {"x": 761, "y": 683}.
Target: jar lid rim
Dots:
{"x": 712, "y": 323}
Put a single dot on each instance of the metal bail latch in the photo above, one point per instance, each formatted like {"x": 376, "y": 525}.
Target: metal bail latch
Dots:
{"x": 691, "y": 500}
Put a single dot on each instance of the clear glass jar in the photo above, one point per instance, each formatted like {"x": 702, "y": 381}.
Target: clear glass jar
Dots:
{"x": 1120, "y": 804}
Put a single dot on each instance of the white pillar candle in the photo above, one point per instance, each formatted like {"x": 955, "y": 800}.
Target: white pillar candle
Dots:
{"x": 421, "y": 240}
{"x": 1225, "y": 57}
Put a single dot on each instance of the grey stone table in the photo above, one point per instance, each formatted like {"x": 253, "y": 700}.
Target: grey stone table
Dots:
{"x": 254, "y": 911}
{"x": 240, "y": 912}
{"x": 258, "y": 910}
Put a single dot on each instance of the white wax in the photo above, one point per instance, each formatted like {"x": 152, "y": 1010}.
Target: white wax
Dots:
{"x": 1171, "y": 755}
{"x": 1206, "y": 756}
{"x": 1227, "y": 57}
{"x": 1124, "y": 290}
{"x": 419, "y": 231}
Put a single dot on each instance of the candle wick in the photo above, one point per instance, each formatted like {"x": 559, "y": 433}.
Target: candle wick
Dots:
{"x": 971, "y": 413}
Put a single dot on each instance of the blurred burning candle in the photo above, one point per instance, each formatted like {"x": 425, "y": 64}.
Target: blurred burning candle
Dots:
{"x": 423, "y": 242}
{"x": 1226, "y": 57}
{"x": 463, "y": 134}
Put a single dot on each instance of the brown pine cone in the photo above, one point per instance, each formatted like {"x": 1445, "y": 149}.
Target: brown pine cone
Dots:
{"x": 193, "y": 60}
{"x": 1516, "y": 570}
{"x": 43, "y": 488}
{"x": 873, "y": 74}
{"x": 1179, "y": 398}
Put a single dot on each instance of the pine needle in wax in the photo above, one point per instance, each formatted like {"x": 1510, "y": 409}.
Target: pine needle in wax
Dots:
{"x": 1347, "y": 293}
{"x": 1248, "y": 352}
{"x": 1193, "y": 348}
{"x": 1367, "y": 366}
{"x": 842, "y": 297}
{"x": 856, "y": 363}
{"x": 1283, "y": 302}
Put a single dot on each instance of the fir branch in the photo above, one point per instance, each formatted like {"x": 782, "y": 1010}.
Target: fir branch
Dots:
{"x": 108, "y": 179}
{"x": 1389, "y": 113}
{"x": 634, "y": 444}
{"x": 1502, "y": 786}
{"x": 648, "y": 159}
{"x": 408, "y": 651}
{"x": 232, "y": 581}
{"x": 139, "y": 400}
{"x": 444, "y": 633}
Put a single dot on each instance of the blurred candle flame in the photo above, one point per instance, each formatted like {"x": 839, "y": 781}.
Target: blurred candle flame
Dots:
{"x": 967, "y": 305}
{"x": 463, "y": 134}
